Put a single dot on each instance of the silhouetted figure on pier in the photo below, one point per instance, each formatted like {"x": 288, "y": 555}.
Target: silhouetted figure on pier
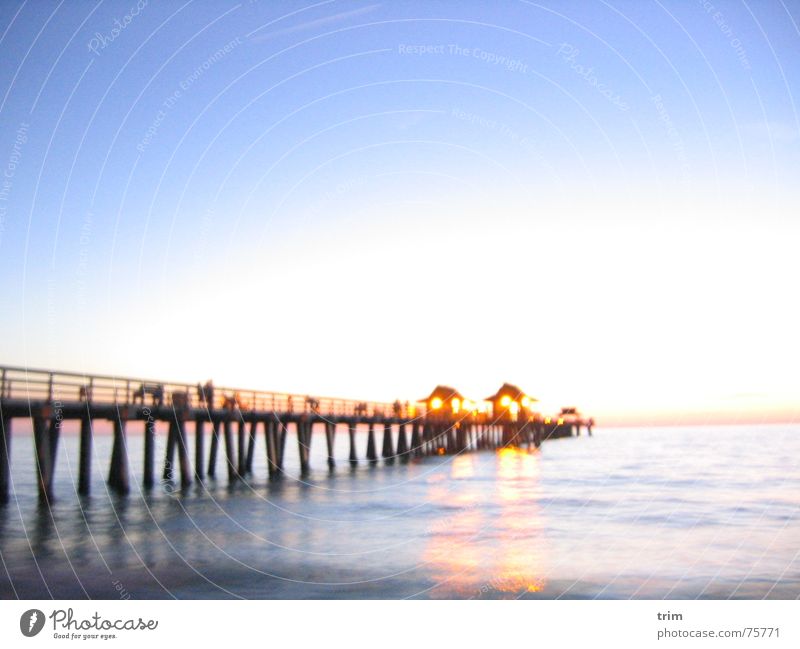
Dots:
{"x": 205, "y": 394}
{"x": 155, "y": 390}
{"x": 181, "y": 400}
{"x": 232, "y": 402}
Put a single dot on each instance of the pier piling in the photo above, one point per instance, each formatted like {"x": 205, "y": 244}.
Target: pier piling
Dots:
{"x": 169, "y": 458}
{"x": 415, "y": 440}
{"x": 425, "y": 443}
{"x": 303, "y": 442}
{"x": 118, "y": 478}
{"x": 5, "y": 457}
{"x": 330, "y": 438}
{"x": 241, "y": 448}
{"x": 388, "y": 447}
{"x": 241, "y": 468}
{"x": 271, "y": 441}
{"x": 149, "y": 453}
{"x": 402, "y": 444}
{"x": 230, "y": 451}
{"x": 352, "y": 432}
{"x": 460, "y": 437}
{"x": 183, "y": 451}
{"x": 41, "y": 438}
{"x": 251, "y": 447}
{"x": 199, "y": 457}
{"x": 372, "y": 456}
{"x": 85, "y": 461}
{"x": 214, "y": 450}
{"x": 284, "y": 432}
{"x": 54, "y": 433}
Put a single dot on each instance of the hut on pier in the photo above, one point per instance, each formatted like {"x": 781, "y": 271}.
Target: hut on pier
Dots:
{"x": 444, "y": 401}
{"x": 569, "y": 414}
{"x": 509, "y": 401}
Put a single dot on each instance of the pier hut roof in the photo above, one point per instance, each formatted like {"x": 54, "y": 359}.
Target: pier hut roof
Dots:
{"x": 512, "y": 391}
{"x": 443, "y": 392}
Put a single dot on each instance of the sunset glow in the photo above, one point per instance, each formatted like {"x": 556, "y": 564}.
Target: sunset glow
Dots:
{"x": 319, "y": 234}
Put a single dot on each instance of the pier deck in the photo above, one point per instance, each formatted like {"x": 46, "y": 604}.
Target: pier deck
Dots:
{"x": 236, "y": 419}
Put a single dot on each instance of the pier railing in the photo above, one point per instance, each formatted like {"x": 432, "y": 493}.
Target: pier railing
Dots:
{"x": 238, "y": 418}
{"x": 46, "y": 386}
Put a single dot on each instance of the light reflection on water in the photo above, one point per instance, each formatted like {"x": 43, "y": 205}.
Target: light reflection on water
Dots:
{"x": 682, "y": 512}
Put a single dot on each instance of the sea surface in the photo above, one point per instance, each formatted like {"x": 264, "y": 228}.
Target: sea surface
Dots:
{"x": 684, "y": 512}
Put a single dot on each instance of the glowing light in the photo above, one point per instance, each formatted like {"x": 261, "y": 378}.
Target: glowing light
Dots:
{"x": 514, "y": 408}
{"x": 469, "y": 406}
{"x": 436, "y": 403}
{"x": 526, "y": 402}
{"x": 456, "y": 404}
{"x": 560, "y": 420}
{"x": 547, "y": 420}
{"x": 505, "y": 400}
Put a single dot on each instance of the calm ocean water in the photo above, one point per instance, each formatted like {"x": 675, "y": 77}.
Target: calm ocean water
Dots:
{"x": 683, "y": 512}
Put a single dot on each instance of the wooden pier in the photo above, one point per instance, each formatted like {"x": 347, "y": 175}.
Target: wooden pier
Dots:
{"x": 444, "y": 423}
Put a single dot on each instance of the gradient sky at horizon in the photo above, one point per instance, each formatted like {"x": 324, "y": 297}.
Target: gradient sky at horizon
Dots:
{"x": 597, "y": 201}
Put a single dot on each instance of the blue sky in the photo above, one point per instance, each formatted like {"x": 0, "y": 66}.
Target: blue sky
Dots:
{"x": 595, "y": 200}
